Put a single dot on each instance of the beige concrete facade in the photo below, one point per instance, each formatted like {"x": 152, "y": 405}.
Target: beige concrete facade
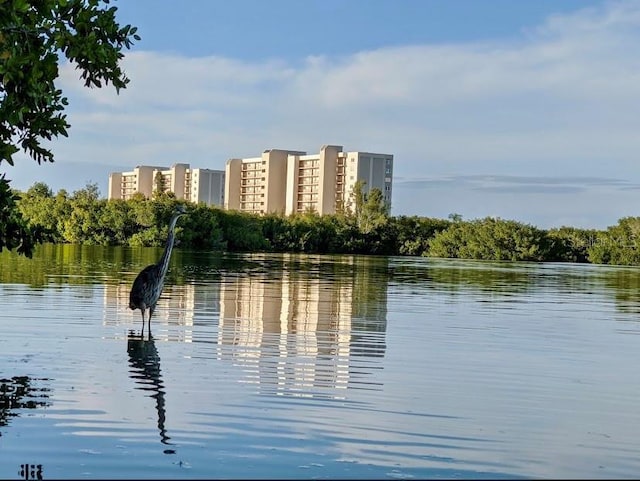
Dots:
{"x": 194, "y": 185}
{"x": 278, "y": 181}
{"x": 315, "y": 182}
{"x": 172, "y": 180}
{"x": 122, "y": 185}
{"x": 258, "y": 184}
{"x": 296, "y": 182}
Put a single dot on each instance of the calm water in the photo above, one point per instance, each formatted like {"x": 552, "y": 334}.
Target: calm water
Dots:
{"x": 291, "y": 366}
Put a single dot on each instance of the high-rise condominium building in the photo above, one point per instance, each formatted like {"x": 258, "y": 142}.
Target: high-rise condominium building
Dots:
{"x": 122, "y": 185}
{"x": 292, "y": 181}
{"x": 258, "y": 184}
{"x": 194, "y": 185}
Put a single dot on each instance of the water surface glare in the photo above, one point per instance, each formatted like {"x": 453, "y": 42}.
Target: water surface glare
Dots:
{"x": 298, "y": 366}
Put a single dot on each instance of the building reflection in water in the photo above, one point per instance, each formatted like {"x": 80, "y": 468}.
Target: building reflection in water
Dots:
{"x": 145, "y": 371}
{"x": 178, "y": 307}
{"x": 296, "y": 325}
{"x": 305, "y": 331}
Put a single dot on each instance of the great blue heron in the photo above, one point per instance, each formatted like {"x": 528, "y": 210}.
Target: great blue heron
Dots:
{"x": 147, "y": 287}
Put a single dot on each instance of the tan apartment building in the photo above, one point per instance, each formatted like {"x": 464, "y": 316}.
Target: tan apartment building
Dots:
{"x": 122, "y": 185}
{"x": 194, "y": 185}
{"x": 294, "y": 182}
{"x": 258, "y": 184}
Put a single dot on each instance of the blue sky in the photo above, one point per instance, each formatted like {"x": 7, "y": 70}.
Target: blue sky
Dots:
{"x": 524, "y": 110}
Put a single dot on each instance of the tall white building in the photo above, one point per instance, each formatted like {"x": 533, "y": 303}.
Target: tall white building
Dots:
{"x": 258, "y": 184}
{"x": 278, "y": 181}
{"x": 290, "y": 181}
{"x": 207, "y": 186}
{"x": 194, "y": 185}
{"x": 122, "y": 185}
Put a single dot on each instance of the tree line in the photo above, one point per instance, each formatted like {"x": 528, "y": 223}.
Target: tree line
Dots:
{"x": 83, "y": 217}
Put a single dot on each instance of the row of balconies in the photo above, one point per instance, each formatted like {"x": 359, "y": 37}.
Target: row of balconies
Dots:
{"x": 311, "y": 167}
{"x": 309, "y": 163}
{"x": 308, "y": 172}
{"x": 254, "y": 181}
{"x": 302, "y": 206}
{"x": 252, "y": 165}
{"x": 307, "y": 197}
{"x": 251, "y": 197}
{"x": 308, "y": 181}
{"x": 252, "y": 206}
{"x": 250, "y": 174}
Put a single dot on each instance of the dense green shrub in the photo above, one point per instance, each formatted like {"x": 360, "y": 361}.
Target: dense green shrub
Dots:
{"x": 85, "y": 218}
{"x": 491, "y": 239}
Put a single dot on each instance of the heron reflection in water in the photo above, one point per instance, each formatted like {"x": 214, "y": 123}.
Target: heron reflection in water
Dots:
{"x": 148, "y": 285}
{"x": 145, "y": 370}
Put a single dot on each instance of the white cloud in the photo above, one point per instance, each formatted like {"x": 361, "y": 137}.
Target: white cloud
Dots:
{"x": 562, "y": 100}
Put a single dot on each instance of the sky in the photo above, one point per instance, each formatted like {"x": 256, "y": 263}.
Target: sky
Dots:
{"x": 522, "y": 110}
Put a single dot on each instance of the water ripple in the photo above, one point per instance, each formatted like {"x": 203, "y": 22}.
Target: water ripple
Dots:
{"x": 329, "y": 367}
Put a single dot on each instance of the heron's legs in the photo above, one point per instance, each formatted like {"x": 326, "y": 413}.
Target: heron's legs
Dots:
{"x": 142, "y": 311}
{"x": 151, "y": 308}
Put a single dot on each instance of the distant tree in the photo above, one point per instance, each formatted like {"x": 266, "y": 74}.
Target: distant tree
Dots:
{"x": 241, "y": 231}
{"x": 374, "y": 211}
{"x": 40, "y": 189}
{"x": 355, "y": 199}
{"x": 15, "y": 233}
{"x": 571, "y": 244}
{"x": 619, "y": 244}
{"x": 158, "y": 185}
{"x": 491, "y": 239}
{"x": 83, "y": 223}
{"x": 90, "y": 193}
{"x": 415, "y": 233}
{"x": 37, "y": 206}
{"x": 116, "y": 222}
{"x": 200, "y": 228}
{"x": 367, "y": 209}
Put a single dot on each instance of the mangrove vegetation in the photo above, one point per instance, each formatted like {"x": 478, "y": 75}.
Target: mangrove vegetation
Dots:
{"x": 83, "y": 217}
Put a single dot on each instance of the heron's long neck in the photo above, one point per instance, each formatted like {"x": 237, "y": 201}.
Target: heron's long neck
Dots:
{"x": 164, "y": 261}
